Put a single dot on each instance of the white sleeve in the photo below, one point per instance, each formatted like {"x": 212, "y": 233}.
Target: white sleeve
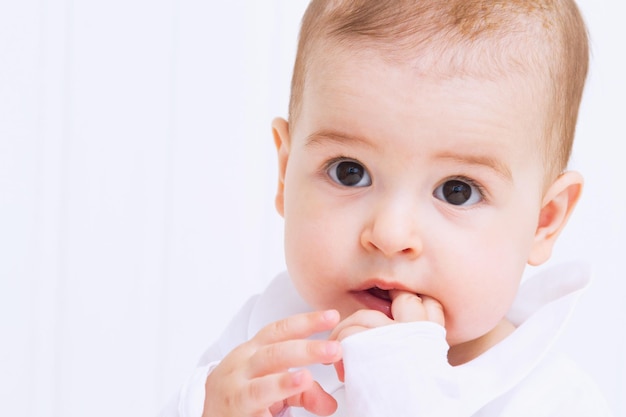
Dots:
{"x": 400, "y": 370}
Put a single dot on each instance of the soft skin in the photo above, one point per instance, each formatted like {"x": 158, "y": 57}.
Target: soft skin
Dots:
{"x": 408, "y": 136}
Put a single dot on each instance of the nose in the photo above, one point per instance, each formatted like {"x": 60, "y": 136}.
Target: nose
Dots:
{"x": 393, "y": 230}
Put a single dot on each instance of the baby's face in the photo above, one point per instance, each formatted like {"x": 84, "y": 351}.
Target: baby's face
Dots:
{"x": 395, "y": 181}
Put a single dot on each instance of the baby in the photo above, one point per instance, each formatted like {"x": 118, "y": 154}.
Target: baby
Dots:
{"x": 422, "y": 167}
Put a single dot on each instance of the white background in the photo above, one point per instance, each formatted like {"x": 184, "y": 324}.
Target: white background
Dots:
{"x": 137, "y": 175}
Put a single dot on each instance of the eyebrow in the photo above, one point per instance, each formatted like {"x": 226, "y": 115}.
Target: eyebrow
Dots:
{"x": 490, "y": 162}
{"x": 321, "y": 136}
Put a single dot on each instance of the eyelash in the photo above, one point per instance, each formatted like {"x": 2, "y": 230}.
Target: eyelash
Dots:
{"x": 326, "y": 166}
{"x": 340, "y": 158}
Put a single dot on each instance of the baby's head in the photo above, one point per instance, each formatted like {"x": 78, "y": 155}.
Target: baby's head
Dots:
{"x": 425, "y": 153}
{"x": 544, "y": 40}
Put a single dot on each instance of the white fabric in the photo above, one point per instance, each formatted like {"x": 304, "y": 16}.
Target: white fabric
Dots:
{"x": 192, "y": 394}
{"x": 402, "y": 370}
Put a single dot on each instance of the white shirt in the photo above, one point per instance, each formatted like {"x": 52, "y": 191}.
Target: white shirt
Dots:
{"x": 402, "y": 369}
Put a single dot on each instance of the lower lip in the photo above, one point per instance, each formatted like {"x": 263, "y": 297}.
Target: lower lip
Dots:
{"x": 374, "y": 303}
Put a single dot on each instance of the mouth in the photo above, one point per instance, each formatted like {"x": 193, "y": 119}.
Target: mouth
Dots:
{"x": 375, "y": 298}
{"x": 379, "y": 293}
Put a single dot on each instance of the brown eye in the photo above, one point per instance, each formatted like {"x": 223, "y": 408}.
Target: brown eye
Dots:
{"x": 349, "y": 173}
{"x": 458, "y": 193}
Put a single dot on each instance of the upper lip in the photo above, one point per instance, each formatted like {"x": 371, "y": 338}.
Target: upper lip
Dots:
{"x": 384, "y": 285}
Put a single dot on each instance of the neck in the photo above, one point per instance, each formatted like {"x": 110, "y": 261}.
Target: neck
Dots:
{"x": 465, "y": 352}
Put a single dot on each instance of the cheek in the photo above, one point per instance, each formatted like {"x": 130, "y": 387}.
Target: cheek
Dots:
{"x": 305, "y": 226}
{"x": 316, "y": 247}
{"x": 320, "y": 227}
{"x": 477, "y": 305}
{"x": 506, "y": 237}
{"x": 483, "y": 278}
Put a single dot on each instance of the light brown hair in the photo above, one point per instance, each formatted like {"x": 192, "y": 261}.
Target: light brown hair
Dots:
{"x": 475, "y": 38}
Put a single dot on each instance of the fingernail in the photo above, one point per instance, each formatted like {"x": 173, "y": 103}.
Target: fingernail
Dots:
{"x": 331, "y": 315}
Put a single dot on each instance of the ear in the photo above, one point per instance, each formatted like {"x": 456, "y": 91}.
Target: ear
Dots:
{"x": 282, "y": 140}
{"x": 557, "y": 205}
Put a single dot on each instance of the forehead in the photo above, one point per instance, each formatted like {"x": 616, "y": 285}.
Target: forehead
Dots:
{"x": 402, "y": 83}
{"x": 512, "y": 56}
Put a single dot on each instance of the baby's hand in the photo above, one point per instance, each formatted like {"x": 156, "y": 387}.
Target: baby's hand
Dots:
{"x": 405, "y": 307}
{"x": 254, "y": 379}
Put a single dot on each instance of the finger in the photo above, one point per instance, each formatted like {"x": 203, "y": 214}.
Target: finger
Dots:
{"x": 358, "y": 322}
{"x": 314, "y": 400}
{"x": 299, "y": 326}
{"x": 434, "y": 310}
{"x": 407, "y": 307}
{"x": 262, "y": 393}
{"x": 281, "y": 356}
